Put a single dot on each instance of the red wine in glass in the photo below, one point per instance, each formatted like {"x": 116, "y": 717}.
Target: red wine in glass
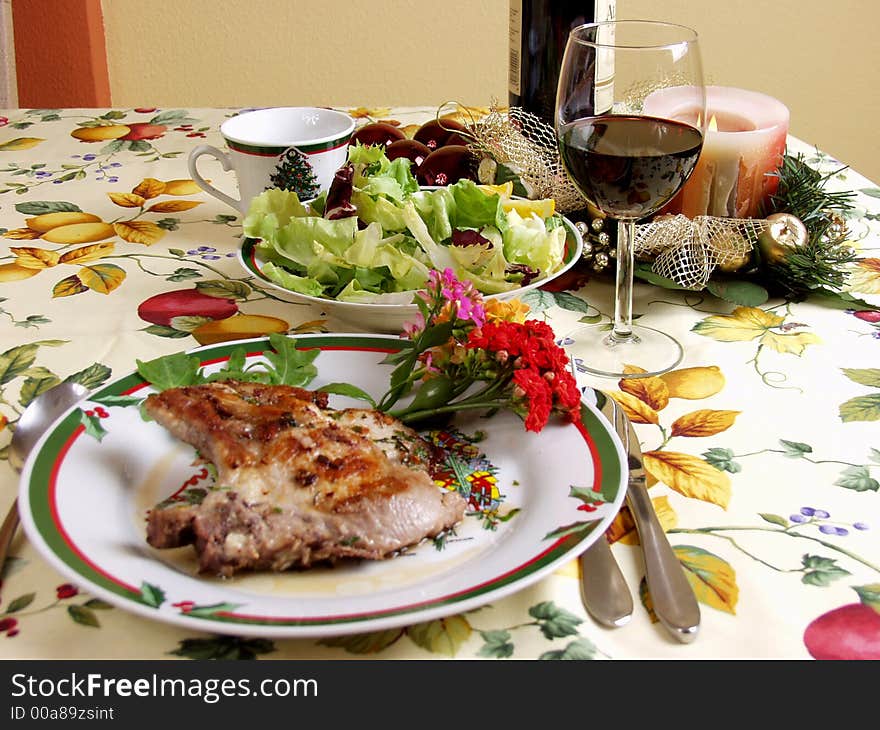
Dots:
{"x": 629, "y": 166}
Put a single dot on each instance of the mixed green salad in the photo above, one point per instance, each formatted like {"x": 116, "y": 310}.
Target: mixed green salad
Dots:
{"x": 376, "y": 234}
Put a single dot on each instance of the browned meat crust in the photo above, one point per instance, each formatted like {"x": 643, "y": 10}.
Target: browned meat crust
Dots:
{"x": 298, "y": 482}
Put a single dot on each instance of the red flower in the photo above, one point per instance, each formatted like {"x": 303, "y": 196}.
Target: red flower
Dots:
{"x": 184, "y": 606}
{"x": 538, "y": 395}
{"x": 66, "y": 590}
{"x": 145, "y": 110}
{"x": 3, "y": 121}
{"x": 540, "y": 367}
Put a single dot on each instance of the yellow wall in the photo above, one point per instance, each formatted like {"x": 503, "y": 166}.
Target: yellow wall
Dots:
{"x": 820, "y": 58}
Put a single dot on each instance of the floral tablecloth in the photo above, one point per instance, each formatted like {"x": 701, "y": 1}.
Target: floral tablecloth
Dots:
{"x": 763, "y": 445}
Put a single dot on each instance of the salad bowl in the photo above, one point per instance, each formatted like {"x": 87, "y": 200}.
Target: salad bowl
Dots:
{"x": 395, "y": 309}
{"x": 362, "y": 250}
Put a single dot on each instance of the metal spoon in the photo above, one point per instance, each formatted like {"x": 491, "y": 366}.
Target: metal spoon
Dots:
{"x": 37, "y": 417}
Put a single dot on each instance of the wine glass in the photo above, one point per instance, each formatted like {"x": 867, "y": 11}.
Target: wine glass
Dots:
{"x": 627, "y": 160}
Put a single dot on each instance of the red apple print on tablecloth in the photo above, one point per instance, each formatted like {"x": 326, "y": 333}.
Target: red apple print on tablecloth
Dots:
{"x": 144, "y": 130}
{"x": 162, "y": 308}
{"x": 848, "y": 632}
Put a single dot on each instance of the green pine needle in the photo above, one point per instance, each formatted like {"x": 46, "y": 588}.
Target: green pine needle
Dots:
{"x": 823, "y": 260}
{"x": 802, "y": 193}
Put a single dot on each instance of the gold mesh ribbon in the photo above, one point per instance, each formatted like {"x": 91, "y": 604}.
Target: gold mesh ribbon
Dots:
{"x": 526, "y": 144}
{"x": 687, "y": 250}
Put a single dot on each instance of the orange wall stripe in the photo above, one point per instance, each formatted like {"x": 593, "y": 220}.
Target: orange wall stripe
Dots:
{"x": 60, "y": 54}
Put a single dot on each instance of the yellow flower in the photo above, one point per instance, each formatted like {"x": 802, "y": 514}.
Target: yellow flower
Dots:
{"x": 512, "y": 310}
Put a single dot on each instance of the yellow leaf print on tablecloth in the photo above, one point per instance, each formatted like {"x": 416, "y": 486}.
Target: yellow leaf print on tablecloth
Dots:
{"x": 653, "y": 392}
{"x": 149, "y": 187}
{"x": 143, "y": 232}
{"x": 865, "y": 277}
{"x": 642, "y": 399}
{"x": 127, "y": 200}
{"x": 750, "y": 323}
{"x": 173, "y": 206}
{"x": 34, "y": 258}
{"x": 703, "y": 423}
{"x": 636, "y": 410}
{"x": 713, "y": 579}
{"x": 689, "y": 475}
{"x": 88, "y": 253}
{"x": 20, "y": 143}
{"x": 102, "y": 278}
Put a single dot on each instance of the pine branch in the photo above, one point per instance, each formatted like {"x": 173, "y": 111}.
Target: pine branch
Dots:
{"x": 802, "y": 193}
{"x": 821, "y": 262}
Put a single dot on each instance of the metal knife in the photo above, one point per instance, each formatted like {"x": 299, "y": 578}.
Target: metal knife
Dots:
{"x": 604, "y": 591}
{"x": 671, "y": 595}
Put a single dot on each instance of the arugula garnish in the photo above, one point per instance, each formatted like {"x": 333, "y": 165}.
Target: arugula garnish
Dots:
{"x": 171, "y": 371}
{"x": 284, "y": 364}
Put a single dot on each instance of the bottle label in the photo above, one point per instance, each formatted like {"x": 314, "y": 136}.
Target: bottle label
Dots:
{"x": 515, "y": 47}
{"x": 602, "y": 10}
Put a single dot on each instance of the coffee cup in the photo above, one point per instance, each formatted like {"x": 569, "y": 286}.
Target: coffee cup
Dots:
{"x": 295, "y": 148}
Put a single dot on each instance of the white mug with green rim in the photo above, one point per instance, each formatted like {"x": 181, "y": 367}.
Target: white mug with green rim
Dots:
{"x": 297, "y": 148}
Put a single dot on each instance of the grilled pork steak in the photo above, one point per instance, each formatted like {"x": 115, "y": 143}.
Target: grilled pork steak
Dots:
{"x": 298, "y": 482}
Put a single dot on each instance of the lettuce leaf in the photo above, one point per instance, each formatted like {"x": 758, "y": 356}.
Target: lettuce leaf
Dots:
{"x": 527, "y": 241}
{"x": 401, "y": 232}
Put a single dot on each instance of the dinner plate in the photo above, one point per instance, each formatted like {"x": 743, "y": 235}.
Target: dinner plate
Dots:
{"x": 535, "y": 502}
{"x": 390, "y": 316}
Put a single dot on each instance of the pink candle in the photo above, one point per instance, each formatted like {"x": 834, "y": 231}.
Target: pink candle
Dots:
{"x": 742, "y": 149}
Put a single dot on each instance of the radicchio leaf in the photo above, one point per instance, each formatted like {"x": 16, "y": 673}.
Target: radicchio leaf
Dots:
{"x": 468, "y": 237}
{"x": 339, "y": 203}
{"x": 528, "y": 273}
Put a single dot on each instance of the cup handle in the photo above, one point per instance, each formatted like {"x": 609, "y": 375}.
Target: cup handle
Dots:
{"x": 223, "y": 159}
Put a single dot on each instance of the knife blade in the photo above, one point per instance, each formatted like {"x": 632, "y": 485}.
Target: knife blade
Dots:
{"x": 673, "y": 599}
{"x": 604, "y": 591}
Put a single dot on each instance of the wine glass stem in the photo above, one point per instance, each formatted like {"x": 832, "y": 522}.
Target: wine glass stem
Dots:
{"x": 626, "y": 232}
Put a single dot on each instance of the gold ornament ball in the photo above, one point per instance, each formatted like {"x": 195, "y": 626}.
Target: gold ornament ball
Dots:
{"x": 784, "y": 234}
{"x": 734, "y": 263}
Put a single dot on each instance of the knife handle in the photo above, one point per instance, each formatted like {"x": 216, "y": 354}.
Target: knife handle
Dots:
{"x": 604, "y": 591}
{"x": 671, "y": 594}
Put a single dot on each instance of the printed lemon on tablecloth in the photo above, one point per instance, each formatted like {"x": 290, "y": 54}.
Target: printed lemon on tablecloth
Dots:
{"x": 237, "y": 327}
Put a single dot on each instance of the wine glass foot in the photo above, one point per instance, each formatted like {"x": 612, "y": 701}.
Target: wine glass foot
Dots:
{"x": 598, "y": 351}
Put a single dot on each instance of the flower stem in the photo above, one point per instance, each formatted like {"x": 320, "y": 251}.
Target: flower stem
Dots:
{"x": 465, "y": 405}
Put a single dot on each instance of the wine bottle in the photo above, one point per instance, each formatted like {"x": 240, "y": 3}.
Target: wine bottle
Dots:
{"x": 538, "y": 32}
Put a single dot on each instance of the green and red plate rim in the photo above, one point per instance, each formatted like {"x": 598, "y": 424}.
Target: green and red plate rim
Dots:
{"x": 39, "y": 484}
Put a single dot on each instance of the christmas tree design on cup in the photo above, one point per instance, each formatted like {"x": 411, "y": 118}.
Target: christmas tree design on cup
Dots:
{"x": 294, "y": 172}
